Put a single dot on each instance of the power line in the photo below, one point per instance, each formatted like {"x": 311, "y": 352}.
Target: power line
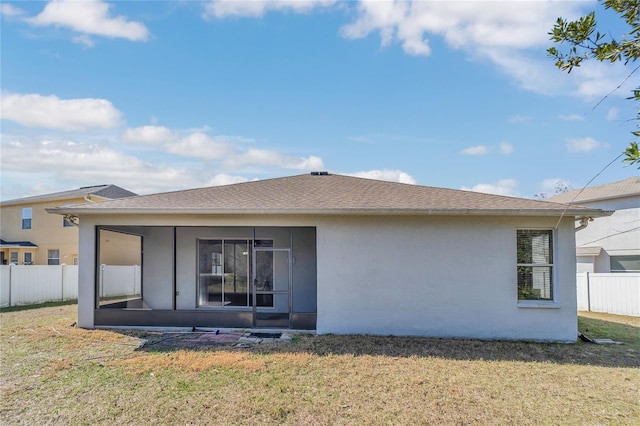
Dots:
{"x": 584, "y": 187}
{"x": 617, "y": 87}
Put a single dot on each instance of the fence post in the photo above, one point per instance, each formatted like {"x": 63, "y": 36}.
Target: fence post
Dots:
{"x": 588, "y": 294}
{"x": 10, "y": 283}
{"x": 62, "y": 282}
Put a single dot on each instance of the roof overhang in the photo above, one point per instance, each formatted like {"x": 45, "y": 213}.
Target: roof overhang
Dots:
{"x": 10, "y": 245}
{"x": 30, "y": 201}
{"x": 588, "y": 251}
{"x": 576, "y": 213}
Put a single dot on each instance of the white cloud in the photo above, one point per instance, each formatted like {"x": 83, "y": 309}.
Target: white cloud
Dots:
{"x": 89, "y": 17}
{"x": 231, "y": 152}
{"x": 263, "y": 157}
{"x": 84, "y": 40}
{"x": 202, "y": 146}
{"x": 150, "y": 135}
{"x": 590, "y": 82}
{"x": 50, "y": 112}
{"x": 309, "y": 163}
{"x": 506, "y": 187}
{"x": 417, "y": 47}
{"x": 571, "y": 117}
{"x": 583, "y": 144}
{"x": 10, "y": 11}
{"x": 221, "y": 9}
{"x": 475, "y": 150}
{"x": 521, "y": 119}
{"x": 535, "y": 75}
{"x": 612, "y": 114}
{"x": 65, "y": 163}
{"x": 72, "y": 164}
{"x": 508, "y": 34}
{"x": 505, "y": 148}
{"x": 597, "y": 79}
{"x": 225, "y": 179}
{"x": 462, "y": 24}
{"x": 385, "y": 174}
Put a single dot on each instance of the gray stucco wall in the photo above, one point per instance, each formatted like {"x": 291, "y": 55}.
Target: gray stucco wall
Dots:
{"x": 438, "y": 276}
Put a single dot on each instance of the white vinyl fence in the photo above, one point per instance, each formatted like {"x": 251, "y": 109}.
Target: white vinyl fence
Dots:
{"x": 30, "y": 284}
{"x": 119, "y": 281}
{"x": 611, "y": 293}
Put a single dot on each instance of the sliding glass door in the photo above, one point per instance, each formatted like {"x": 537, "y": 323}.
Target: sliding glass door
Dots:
{"x": 223, "y": 272}
{"x": 242, "y": 273}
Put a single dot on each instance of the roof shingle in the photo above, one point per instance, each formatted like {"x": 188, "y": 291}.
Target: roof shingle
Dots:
{"x": 325, "y": 194}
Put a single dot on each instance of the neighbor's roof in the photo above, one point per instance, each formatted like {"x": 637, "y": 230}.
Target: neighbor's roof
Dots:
{"x": 588, "y": 251}
{"x": 15, "y": 244}
{"x": 326, "y": 194}
{"x": 103, "y": 191}
{"x": 621, "y": 189}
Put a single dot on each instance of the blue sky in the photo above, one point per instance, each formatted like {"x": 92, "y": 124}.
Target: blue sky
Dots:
{"x": 158, "y": 96}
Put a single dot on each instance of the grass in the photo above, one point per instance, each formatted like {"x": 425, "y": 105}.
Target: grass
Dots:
{"x": 53, "y": 372}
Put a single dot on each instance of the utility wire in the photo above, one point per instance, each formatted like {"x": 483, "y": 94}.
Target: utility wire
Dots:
{"x": 612, "y": 235}
{"x": 584, "y": 187}
{"x": 617, "y": 87}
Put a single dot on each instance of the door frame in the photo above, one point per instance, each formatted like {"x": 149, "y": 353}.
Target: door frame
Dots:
{"x": 254, "y": 288}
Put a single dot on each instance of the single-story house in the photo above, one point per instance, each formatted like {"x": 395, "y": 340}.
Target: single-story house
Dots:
{"x": 337, "y": 254}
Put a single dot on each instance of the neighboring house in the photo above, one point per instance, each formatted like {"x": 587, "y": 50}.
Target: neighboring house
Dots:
{"x": 31, "y": 236}
{"x": 338, "y": 254}
{"x": 612, "y": 243}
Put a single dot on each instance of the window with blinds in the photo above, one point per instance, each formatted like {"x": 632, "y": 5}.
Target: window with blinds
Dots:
{"x": 535, "y": 264}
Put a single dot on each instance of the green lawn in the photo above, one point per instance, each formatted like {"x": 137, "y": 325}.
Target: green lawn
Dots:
{"x": 55, "y": 373}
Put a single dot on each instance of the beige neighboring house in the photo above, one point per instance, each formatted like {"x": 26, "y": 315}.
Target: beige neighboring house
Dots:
{"x": 31, "y": 236}
{"x": 611, "y": 243}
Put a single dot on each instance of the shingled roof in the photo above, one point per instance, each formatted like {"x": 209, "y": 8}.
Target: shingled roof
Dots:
{"x": 326, "y": 194}
{"x": 103, "y": 191}
{"x": 623, "y": 188}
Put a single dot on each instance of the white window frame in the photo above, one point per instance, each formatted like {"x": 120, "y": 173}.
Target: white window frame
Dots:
{"x": 14, "y": 257}
{"x": 27, "y": 214}
{"x": 24, "y": 258}
{"x": 50, "y": 258}
{"x": 542, "y": 303}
